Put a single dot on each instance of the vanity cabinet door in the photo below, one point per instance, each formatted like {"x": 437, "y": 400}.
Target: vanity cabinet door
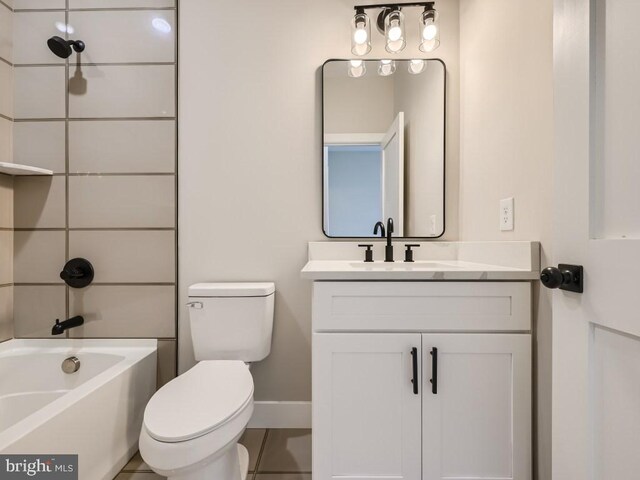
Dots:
{"x": 477, "y": 422}
{"x": 366, "y": 416}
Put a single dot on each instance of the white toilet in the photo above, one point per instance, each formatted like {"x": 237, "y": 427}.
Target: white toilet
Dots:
{"x": 192, "y": 424}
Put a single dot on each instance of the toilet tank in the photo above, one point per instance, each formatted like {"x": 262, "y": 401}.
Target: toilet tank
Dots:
{"x": 231, "y": 321}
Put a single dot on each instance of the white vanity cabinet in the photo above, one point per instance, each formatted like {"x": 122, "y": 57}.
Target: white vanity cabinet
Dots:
{"x": 421, "y": 380}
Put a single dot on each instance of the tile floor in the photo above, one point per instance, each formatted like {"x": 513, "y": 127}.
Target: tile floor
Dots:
{"x": 274, "y": 454}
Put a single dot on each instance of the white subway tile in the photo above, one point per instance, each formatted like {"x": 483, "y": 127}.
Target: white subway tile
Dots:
{"x": 6, "y": 90}
{"x": 122, "y": 146}
{"x": 141, "y": 256}
{"x": 31, "y": 30}
{"x": 39, "y": 4}
{"x": 124, "y": 311}
{"x": 143, "y": 36}
{"x": 6, "y": 140}
{"x": 121, "y": 3}
{"x": 6, "y": 313}
{"x": 39, "y": 92}
{"x": 6, "y": 257}
{"x": 6, "y": 34}
{"x": 121, "y": 201}
{"x": 122, "y": 91}
{"x": 39, "y": 256}
{"x": 36, "y": 309}
{"x": 41, "y": 144}
{"x": 6, "y": 201}
{"x": 39, "y": 202}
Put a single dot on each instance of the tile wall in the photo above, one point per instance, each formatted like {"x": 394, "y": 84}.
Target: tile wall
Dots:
{"x": 6, "y": 182}
{"x": 105, "y": 122}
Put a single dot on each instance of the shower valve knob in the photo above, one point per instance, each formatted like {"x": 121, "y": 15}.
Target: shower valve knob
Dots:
{"x": 77, "y": 273}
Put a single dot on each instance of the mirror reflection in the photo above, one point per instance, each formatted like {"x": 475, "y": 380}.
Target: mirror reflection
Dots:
{"x": 383, "y": 152}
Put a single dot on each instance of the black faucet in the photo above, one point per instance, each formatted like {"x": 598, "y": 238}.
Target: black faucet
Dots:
{"x": 60, "y": 327}
{"x": 388, "y": 250}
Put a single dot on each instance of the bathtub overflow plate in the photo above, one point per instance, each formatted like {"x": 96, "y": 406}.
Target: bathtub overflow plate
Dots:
{"x": 71, "y": 365}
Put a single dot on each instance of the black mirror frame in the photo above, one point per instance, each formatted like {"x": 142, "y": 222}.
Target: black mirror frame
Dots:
{"x": 444, "y": 150}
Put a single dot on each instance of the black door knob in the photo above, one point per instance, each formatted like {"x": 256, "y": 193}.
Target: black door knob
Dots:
{"x": 565, "y": 277}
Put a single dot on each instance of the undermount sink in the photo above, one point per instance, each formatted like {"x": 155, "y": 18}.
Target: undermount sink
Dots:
{"x": 418, "y": 265}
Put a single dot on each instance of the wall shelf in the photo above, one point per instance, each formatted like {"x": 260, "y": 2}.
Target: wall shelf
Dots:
{"x": 17, "y": 169}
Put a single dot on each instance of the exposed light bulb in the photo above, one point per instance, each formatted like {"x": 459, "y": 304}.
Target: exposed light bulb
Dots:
{"x": 360, "y": 36}
{"x": 360, "y": 33}
{"x": 394, "y": 31}
{"x": 429, "y": 29}
{"x": 429, "y": 32}
{"x": 417, "y": 66}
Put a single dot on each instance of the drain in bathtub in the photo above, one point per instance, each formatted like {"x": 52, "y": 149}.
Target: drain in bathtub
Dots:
{"x": 70, "y": 365}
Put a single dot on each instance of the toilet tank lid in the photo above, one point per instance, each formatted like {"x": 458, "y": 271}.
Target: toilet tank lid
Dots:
{"x": 243, "y": 289}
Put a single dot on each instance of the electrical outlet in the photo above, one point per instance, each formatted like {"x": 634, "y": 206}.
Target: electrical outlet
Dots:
{"x": 506, "y": 214}
{"x": 432, "y": 224}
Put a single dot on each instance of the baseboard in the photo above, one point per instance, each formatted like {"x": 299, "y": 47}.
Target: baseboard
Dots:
{"x": 281, "y": 415}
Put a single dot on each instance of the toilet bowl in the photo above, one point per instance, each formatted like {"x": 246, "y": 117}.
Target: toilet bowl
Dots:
{"x": 192, "y": 424}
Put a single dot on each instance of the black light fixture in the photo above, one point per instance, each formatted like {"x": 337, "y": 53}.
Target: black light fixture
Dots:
{"x": 390, "y": 23}
{"x": 429, "y": 29}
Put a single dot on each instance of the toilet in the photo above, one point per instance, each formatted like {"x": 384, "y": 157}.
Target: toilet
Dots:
{"x": 192, "y": 424}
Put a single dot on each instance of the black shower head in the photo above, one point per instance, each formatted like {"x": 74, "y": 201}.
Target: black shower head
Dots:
{"x": 62, "y": 47}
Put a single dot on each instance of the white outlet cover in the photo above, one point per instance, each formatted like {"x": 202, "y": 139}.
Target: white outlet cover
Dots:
{"x": 506, "y": 214}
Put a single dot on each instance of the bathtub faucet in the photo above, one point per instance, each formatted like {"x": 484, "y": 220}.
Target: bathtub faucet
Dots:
{"x": 60, "y": 327}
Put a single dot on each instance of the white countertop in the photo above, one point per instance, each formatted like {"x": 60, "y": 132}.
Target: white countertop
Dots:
{"x": 435, "y": 261}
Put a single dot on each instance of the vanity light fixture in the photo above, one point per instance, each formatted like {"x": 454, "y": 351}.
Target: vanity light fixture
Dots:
{"x": 394, "y": 31}
{"x": 417, "y": 66}
{"x": 390, "y": 23}
{"x": 386, "y": 68}
{"x": 429, "y": 29}
{"x": 356, "y": 68}
{"x": 360, "y": 33}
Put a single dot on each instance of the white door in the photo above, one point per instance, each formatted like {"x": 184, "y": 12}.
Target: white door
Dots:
{"x": 596, "y": 335}
{"x": 476, "y": 415}
{"x": 366, "y": 416}
{"x": 393, "y": 175}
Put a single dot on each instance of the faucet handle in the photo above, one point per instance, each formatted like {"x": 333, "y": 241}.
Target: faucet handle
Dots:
{"x": 408, "y": 253}
{"x": 368, "y": 254}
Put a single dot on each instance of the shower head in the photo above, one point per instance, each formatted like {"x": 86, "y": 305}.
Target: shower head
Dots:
{"x": 62, "y": 47}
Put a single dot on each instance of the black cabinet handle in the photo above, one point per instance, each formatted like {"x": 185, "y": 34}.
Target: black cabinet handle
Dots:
{"x": 434, "y": 370}
{"x": 414, "y": 364}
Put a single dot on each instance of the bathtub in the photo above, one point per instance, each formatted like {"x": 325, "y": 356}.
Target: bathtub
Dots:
{"x": 95, "y": 412}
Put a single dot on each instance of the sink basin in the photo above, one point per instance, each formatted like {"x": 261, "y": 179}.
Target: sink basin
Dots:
{"x": 403, "y": 266}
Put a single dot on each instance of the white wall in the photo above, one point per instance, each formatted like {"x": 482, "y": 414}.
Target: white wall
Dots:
{"x": 506, "y": 138}
{"x": 348, "y": 109}
{"x": 420, "y": 98}
{"x": 250, "y": 154}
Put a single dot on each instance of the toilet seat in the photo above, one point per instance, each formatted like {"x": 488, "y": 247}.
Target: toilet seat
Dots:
{"x": 200, "y": 401}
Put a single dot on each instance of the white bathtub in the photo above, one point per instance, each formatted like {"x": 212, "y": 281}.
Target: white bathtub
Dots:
{"x": 95, "y": 412}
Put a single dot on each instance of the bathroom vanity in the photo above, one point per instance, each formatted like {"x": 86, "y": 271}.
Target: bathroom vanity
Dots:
{"x": 422, "y": 370}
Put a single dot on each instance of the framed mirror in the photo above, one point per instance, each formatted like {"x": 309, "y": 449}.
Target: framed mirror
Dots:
{"x": 384, "y": 147}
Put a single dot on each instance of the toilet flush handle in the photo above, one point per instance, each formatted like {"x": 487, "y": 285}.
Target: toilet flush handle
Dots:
{"x": 196, "y": 305}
